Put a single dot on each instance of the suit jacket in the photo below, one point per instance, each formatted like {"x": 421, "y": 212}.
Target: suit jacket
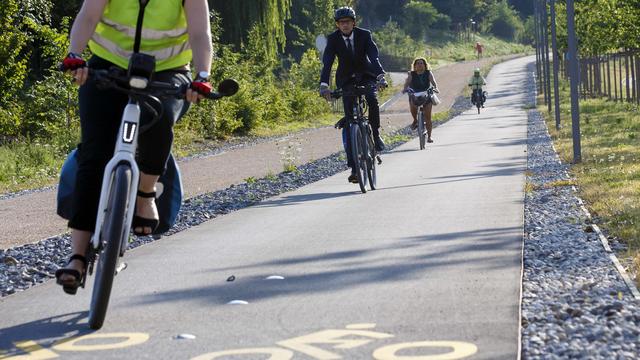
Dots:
{"x": 364, "y": 61}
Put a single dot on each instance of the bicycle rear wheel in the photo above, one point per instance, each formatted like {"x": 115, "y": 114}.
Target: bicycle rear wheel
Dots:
{"x": 111, "y": 239}
{"x": 421, "y": 129}
{"x": 359, "y": 155}
{"x": 371, "y": 161}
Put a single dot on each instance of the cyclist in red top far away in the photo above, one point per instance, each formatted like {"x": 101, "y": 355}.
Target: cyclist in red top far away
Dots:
{"x": 186, "y": 38}
{"x": 479, "y": 48}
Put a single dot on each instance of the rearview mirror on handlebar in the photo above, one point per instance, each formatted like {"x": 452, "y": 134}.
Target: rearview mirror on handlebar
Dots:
{"x": 228, "y": 87}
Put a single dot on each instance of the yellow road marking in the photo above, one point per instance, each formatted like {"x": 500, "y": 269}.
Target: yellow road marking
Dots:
{"x": 33, "y": 352}
{"x": 460, "y": 350}
{"x": 130, "y": 339}
{"x": 303, "y": 343}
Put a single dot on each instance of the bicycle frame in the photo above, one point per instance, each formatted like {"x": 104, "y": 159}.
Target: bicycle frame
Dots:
{"x": 125, "y": 150}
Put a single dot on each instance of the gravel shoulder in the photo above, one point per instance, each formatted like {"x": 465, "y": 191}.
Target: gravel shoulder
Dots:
{"x": 575, "y": 303}
{"x": 30, "y": 216}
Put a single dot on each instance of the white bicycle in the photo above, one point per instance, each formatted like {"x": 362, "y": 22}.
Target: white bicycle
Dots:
{"x": 120, "y": 181}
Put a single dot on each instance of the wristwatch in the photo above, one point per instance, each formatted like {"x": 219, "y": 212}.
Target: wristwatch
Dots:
{"x": 202, "y": 76}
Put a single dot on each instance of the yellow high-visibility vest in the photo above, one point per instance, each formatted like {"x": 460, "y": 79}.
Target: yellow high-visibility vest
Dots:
{"x": 164, "y": 33}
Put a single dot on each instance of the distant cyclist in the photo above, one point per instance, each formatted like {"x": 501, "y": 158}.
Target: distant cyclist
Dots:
{"x": 358, "y": 65}
{"x": 420, "y": 79}
{"x": 476, "y": 83}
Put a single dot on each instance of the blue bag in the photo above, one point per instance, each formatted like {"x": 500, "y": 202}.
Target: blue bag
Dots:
{"x": 168, "y": 198}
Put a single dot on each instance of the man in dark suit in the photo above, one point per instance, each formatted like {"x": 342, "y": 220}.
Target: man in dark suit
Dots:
{"x": 358, "y": 65}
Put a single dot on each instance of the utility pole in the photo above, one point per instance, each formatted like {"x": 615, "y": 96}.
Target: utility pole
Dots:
{"x": 556, "y": 63}
{"x": 573, "y": 73}
{"x": 537, "y": 41}
{"x": 543, "y": 73}
{"x": 545, "y": 28}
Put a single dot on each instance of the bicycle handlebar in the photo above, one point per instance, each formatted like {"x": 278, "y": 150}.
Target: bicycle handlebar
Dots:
{"x": 354, "y": 91}
{"x": 118, "y": 79}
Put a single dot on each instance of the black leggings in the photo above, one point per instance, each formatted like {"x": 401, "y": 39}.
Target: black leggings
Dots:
{"x": 100, "y": 116}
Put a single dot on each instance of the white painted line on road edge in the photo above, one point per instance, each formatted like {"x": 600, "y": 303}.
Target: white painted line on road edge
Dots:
{"x": 391, "y": 101}
{"x": 612, "y": 255}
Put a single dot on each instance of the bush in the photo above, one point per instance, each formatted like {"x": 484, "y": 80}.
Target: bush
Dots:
{"x": 52, "y": 104}
{"x": 392, "y": 40}
{"x": 503, "y": 21}
{"x": 419, "y": 17}
{"x": 307, "y": 72}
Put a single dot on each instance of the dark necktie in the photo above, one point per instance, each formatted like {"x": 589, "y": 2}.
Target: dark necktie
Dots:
{"x": 349, "y": 46}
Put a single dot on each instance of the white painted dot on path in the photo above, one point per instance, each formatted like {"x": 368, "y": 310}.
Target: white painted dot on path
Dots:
{"x": 238, "y": 302}
{"x": 274, "y": 277}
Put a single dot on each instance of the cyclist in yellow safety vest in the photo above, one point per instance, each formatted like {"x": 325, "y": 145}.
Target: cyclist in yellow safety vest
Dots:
{"x": 177, "y": 33}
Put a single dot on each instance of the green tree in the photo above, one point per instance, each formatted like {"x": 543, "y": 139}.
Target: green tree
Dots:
{"x": 376, "y": 13}
{"x": 13, "y": 64}
{"x": 460, "y": 11}
{"x": 503, "y": 21}
{"x": 309, "y": 18}
{"x": 419, "y": 17}
{"x": 239, "y": 17}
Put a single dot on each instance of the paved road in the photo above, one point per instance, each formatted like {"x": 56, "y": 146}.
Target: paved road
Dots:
{"x": 30, "y": 218}
{"x": 430, "y": 264}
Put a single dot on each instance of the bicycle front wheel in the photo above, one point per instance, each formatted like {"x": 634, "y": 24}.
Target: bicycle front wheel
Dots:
{"x": 421, "y": 129}
{"x": 110, "y": 239}
{"x": 359, "y": 155}
{"x": 371, "y": 161}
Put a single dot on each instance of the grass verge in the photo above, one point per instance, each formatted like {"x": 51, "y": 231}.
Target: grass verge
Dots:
{"x": 608, "y": 178}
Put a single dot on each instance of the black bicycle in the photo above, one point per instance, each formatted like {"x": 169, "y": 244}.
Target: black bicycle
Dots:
{"x": 478, "y": 98}
{"x": 363, "y": 150}
{"x": 121, "y": 175}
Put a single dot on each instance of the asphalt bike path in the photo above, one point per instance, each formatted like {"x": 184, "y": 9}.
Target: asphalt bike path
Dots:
{"x": 31, "y": 217}
{"x": 428, "y": 265}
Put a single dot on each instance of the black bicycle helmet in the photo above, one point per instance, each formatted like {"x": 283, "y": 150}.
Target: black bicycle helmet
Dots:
{"x": 344, "y": 12}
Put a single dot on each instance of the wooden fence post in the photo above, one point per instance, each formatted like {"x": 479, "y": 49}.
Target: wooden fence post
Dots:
{"x": 627, "y": 74}
{"x": 615, "y": 78}
{"x": 608, "y": 77}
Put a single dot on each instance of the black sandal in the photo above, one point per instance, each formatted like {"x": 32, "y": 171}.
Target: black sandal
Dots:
{"x": 72, "y": 288}
{"x": 141, "y": 222}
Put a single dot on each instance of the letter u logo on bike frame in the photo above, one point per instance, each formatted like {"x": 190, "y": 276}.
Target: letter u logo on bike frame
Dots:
{"x": 129, "y": 132}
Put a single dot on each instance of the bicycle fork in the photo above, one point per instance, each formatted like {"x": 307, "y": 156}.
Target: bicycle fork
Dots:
{"x": 124, "y": 155}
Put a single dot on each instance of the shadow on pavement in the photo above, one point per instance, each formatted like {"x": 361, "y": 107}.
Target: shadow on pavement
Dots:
{"x": 337, "y": 271}
{"x": 298, "y": 199}
{"x": 45, "y": 332}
